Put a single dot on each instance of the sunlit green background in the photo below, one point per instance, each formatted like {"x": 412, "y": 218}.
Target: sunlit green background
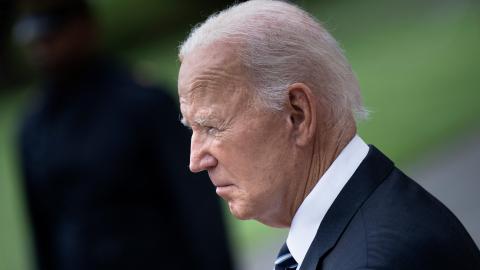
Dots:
{"x": 417, "y": 63}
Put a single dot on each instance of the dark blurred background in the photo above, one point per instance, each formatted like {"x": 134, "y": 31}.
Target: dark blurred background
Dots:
{"x": 417, "y": 63}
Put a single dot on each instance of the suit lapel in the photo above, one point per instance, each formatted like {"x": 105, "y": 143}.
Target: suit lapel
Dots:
{"x": 371, "y": 172}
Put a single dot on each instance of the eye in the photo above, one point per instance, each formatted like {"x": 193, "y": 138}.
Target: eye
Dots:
{"x": 211, "y": 130}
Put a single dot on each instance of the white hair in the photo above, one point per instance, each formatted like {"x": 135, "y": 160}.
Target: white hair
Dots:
{"x": 280, "y": 45}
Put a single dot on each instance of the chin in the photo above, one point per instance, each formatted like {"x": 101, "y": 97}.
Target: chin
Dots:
{"x": 239, "y": 211}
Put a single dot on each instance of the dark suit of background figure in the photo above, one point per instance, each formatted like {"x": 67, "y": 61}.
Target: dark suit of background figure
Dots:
{"x": 384, "y": 220}
{"x": 6, "y": 14}
{"x": 105, "y": 163}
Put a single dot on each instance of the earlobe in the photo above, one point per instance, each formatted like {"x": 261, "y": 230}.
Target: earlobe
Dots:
{"x": 302, "y": 112}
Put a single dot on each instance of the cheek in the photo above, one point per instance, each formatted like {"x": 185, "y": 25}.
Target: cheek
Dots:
{"x": 253, "y": 155}
{"x": 259, "y": 151}
{"x": 257, "y": 171}
{"x": 270, "y": 150}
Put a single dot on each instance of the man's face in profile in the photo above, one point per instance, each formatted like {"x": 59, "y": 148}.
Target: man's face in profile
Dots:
{"x": 244, "y": 148}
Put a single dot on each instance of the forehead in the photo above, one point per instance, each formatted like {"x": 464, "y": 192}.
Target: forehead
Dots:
{"x": 214, "y": 68}
{"x": 213, "y": 76}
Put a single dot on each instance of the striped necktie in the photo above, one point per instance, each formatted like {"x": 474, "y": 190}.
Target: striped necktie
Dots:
{"x": 285, "y": 260}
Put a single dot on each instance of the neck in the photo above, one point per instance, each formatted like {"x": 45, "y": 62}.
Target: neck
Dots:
{"x": 328, "y": 144}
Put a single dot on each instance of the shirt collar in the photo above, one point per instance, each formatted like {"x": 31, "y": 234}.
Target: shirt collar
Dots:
{"x": 311, "y": 212}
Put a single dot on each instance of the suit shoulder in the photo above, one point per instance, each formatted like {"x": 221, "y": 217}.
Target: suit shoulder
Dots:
{"x": 406, "y": 224}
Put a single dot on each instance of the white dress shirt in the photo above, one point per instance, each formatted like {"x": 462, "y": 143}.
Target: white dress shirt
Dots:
{"x": 309, "y": 215}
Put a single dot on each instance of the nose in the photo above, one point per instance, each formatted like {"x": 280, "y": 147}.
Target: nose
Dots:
{"x": 200, "y": 158}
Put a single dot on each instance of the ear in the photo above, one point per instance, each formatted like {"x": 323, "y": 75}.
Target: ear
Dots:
{"x": 302, "y": 112}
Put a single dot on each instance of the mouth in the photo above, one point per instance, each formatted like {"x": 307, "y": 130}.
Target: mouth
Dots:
{"x": 222, "y": 187}
{"x": 223, "y": 190}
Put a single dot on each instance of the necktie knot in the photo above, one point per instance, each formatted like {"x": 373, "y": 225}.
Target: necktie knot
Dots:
{"x": 285, "y": 260}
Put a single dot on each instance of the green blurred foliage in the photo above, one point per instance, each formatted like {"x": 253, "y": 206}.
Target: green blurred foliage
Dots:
{"x": 127, "y": 23}
{"x": 15, "y": 250}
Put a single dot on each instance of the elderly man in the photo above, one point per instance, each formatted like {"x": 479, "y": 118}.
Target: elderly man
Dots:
{"x": 272, "y": 104}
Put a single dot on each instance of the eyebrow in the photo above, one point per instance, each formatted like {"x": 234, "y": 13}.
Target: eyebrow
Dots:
{"x": 200, "y": 121}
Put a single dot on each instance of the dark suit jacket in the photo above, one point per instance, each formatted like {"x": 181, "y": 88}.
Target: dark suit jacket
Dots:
{"x": 384, "y": 220}
{"x": 105, "y": 161}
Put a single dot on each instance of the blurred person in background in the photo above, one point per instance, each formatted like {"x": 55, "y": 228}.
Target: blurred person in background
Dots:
{"x": 104, "y": 159}
{"x": 6, "y": 14}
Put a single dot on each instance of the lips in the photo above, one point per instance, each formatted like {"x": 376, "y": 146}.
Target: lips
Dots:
{"x": 220, "y": 184}
{"x": 216, "y": 182}
{"x": 223, "y": 187}
{"x": 223, "y": 191}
